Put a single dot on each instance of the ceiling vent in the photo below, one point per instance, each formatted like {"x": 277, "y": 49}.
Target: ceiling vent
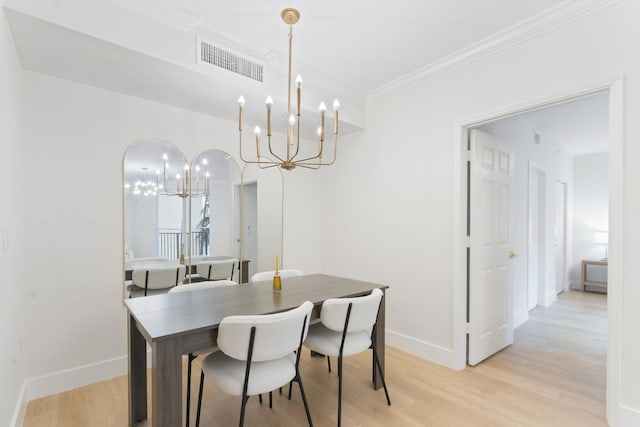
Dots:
{"x": 225, "y": 59}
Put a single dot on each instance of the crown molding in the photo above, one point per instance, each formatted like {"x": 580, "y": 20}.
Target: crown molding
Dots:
{"x": 541, "y": 23}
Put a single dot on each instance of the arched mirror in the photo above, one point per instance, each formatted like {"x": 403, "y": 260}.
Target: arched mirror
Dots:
{"x": 155, "y": 224}
{"x": 215, "y": 210}
{"x": 261, "y": 196}
{"x": 178, "y": 215}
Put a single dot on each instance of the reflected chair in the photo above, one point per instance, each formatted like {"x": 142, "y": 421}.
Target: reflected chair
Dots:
{"x": 216, "y": 269}
{"x": 149, "y": 281}
{"x": 192, "y": 356}
{"x": 258, "y": 354}
{"x": 347, "y": 327}
{"x": 268, "y": 275}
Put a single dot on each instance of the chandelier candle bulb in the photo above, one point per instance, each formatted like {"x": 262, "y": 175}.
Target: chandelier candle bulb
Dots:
{"x": 336, "y": 107}
{"x": 269, "y": 103}
{"x": 298, "y": 91}
{"x": 257, "y": 131}
{"x": 241, "y": 102}
{"x": 323, "y": 109}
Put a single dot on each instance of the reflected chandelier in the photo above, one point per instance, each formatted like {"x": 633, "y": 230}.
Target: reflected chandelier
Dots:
{"x": 185, "y": 185}
{"x": 290, "y": 160}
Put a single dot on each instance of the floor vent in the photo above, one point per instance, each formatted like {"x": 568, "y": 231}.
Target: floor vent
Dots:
{"x": 227, "y": 60}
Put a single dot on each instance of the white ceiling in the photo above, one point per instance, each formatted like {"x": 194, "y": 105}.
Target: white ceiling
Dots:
{"x": 347, "y": 49}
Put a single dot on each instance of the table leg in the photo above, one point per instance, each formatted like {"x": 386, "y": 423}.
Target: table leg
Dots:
{"x": 166, "y": 383}
{"x": 137, "y": 374}
{"x": 379, "y": 345}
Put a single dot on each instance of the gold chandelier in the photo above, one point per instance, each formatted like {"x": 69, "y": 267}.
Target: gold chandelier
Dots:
{"x": 291, "y": 160}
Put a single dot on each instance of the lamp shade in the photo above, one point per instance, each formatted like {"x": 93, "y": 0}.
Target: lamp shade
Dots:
{"x": 601, "y": 238}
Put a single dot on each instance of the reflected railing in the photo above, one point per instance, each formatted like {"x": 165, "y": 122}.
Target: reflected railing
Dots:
{"x": 170, "y": 243}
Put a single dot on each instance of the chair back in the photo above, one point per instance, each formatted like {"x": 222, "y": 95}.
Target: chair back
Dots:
{"x": 217, "y": 269}
{"x": 277, "y": 335}
{"x": 158, "y": 278}
{"x": 364, "y": 312}
{"x": 268, "y": 275}
{"x": 201, "y": 285}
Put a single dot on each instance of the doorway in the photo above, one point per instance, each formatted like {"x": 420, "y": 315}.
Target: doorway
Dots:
{"x": 615, "y": 106}
{"x": 540, "y": 226}
{"x": 247, "y": 195}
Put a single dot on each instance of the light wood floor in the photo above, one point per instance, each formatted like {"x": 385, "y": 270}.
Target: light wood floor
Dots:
{"x": 553, "y": 375}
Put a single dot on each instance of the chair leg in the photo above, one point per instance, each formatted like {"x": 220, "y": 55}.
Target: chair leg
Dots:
{"x": 290, "y": 387}
{"x": 260, "y": 398}
{"x": 329, "y": 363}
{"x": 200, "y": 398}
{"x": 244, "y": 405}
{"x": 270, "y": 400}
{"x": 190, "y": 358}
{"x": 384, "y": 384}
{"x": 304, "y": 399}
{"x": 339, "y": 390}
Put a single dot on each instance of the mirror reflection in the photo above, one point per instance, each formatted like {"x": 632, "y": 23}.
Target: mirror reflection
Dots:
{"x": 207, "y": 220}
{"x": 215, "y": 217}
{"x": 155, "y": 226}
{"x": 262, "y": 195}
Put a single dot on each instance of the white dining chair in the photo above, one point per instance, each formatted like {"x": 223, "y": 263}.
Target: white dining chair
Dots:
{"x": 148, "y": 281}
{"x": 268, "y": 275}
{"x": 347, "y": 327}
{"x": 216, "y": 269}
{"x": 192, "y": 356}
{"x": 258, "y": 354}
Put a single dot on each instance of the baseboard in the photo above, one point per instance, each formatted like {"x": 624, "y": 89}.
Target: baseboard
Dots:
{"x": 628, "y": 417}
{"x": 550, "y": 297}
{"x": 73, "y": 378}
{"x": 434, "y": 353}
{"x": 520, "y": 318}
{"x": 21, "y": 406}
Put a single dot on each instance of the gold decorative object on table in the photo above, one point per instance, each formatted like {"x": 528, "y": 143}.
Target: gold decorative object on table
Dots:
{"x": 277, "y": 280}
{"x": 291, "y": 160}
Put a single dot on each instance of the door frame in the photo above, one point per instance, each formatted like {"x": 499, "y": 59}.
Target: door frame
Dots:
{"x": 541, "y": 291}
{"x": 615, "y": 86}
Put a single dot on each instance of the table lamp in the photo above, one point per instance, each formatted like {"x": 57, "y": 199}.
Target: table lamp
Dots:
{"x": 602, "y": 238}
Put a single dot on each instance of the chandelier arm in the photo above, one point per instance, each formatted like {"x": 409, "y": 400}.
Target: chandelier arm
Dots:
{"x": 271, "y": 151}
{"x": 335, "y": 152}
{"x": 306, "y": 166}
{"x": 263, "y": 162}
{"x": 317, "y": 156}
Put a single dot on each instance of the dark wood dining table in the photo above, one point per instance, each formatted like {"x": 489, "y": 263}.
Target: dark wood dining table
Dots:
{"x": 181, "y": 323}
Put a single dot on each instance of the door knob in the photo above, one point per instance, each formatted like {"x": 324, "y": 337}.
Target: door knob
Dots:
{"x": 512, "y": 255}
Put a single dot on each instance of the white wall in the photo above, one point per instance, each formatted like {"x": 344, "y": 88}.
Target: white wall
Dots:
{"x": 557, "y": 166}
{"x": 75, "y": 319}
{"x": 12, "y": 224}
{"x": 390, "y": 199}
{"x": 591, "y": 210}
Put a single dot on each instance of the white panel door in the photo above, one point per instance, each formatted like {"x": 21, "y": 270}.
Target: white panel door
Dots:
{"x": 490, "y": 290}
